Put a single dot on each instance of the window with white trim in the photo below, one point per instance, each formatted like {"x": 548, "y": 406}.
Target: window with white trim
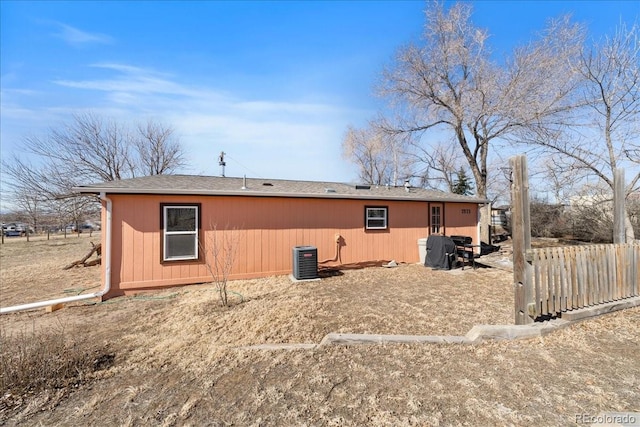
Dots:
{"x": 180, "y": 225}
{"x": 376, "y": 217}
{"x": 435, "y": 219}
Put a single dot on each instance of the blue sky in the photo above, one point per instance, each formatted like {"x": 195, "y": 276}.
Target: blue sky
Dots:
{"x": 272, "y": 84}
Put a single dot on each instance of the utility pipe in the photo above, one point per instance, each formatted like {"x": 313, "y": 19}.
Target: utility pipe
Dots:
{"x": 337, "y": 257}
{"x": 107, "y": 273}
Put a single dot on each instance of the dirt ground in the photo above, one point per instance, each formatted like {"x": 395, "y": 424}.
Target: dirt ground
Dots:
{"x": 179, "y": 358}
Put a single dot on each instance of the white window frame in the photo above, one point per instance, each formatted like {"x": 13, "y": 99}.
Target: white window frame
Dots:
{"x": 368, "y": 218}
{"x": 166, "y": 233}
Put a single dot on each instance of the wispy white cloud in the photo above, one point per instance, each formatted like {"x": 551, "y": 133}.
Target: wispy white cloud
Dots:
{"x": 301, "y": 139}
{"x": 132, "y": 80}
{"x": 77, "y": 37}
{"x": 142, "y": 87}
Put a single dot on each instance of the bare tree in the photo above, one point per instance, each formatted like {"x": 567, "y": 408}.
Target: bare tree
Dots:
{"x": 449, "y": 83}
{"x": 90, "y": 149}
{"x": 603, "y": 132}
{"x": 435, "y": 165}
{"x": 158, "y": 150}
{"x": 43, "y": 182}
{"x": 31, "y": 207}
{"x": 377, "y": 154}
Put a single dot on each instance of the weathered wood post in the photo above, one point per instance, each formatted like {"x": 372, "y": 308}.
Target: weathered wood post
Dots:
{"x": 619, "y": 211}
{"x": 521, "y": 237}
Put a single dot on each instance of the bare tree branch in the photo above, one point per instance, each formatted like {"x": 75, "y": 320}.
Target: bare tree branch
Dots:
{"x": 158, "y": 150}
{"x": 603, "y": 132}
{"x": 89, "y": 149}
{"x": 378, "y": 154}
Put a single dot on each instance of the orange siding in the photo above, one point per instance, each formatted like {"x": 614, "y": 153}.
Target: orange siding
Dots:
{"x": 267, "y": 230}
{"x": 461, "y": 220}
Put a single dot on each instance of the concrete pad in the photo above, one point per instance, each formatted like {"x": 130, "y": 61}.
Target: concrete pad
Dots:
{"x": 294, "y": 280}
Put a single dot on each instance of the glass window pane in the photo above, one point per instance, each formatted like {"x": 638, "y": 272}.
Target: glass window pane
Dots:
{"x": 180, "y": 219}
{"x": 376, "y": 218}
{"x": 435, "y": 219}
{"x": 376, "y": 213}
{"x": 376, "y": 223}
{"x": 180, "y": 246}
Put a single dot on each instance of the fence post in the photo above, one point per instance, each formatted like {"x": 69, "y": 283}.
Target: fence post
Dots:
{"x": 521, "y": 236}
{"x": 619, "y": 233}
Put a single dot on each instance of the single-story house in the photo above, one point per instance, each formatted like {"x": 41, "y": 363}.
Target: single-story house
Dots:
{"x": 161, "y": 230}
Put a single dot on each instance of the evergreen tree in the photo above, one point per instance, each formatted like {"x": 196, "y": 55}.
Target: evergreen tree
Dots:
{"x": 462, "y": 185}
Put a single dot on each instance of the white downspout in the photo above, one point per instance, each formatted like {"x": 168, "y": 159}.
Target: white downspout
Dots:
{"x": 107, "y": 273}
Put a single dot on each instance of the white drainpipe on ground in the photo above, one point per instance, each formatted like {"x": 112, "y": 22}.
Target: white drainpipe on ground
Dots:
{"x": 107, "y": 273}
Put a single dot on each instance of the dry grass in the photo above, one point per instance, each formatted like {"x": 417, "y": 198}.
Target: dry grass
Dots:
{"x": 177, "y": 360}
{"x": 33, "y": 269}
{"x": 35, "y": 361}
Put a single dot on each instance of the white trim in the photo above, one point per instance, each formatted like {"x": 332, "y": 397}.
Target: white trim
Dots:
{"x": 166, "y": 233}
{"x": 385, "y": 209}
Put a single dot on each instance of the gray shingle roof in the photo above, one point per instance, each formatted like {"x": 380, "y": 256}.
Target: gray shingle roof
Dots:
{"x": 214, "y": 185}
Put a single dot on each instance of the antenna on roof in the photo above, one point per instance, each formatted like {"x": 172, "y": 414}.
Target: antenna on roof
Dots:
{"x": 221, "y": 162}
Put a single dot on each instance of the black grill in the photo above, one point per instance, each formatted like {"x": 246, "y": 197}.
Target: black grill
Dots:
{"x": 461, "y": 240}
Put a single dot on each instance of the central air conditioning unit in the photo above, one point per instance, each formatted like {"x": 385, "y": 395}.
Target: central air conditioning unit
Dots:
{"x": 305, "y": 262}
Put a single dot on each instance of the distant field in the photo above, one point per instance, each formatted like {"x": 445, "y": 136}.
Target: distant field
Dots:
{"x": 33, "y": 270}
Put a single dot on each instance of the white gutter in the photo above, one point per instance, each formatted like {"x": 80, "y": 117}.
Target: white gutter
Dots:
{"x": 107, "y": 273}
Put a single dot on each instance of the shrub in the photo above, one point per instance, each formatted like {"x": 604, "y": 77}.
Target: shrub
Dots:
{"x": 547, "y": 220}
{"x": 31, "y": 361}
{"x": 592, "y": 223}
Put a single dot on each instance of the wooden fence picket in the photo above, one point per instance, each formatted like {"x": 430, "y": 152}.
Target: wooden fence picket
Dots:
{"x": 611, "y": 269}
{"x": 564, "y": 280}
{"x": 574, "y": 276}
{"x": 537, "y": 282}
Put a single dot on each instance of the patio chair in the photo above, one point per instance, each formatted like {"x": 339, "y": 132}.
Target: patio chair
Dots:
{"x": 465, "y": 250}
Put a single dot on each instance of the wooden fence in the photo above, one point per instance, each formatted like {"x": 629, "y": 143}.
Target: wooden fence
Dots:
{"x": 574, "y": 277}
{"x": 551, "y": 281}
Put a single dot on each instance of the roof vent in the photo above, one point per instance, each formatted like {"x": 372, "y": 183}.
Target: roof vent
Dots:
{"x": 267, "y": 184}
{"x": 407, "y": 186}
{"x": 329, "y": 190}
{"x": 363, "y": 187}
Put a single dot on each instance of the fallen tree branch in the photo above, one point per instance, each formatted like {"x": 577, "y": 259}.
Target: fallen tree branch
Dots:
{"x": 97, "y": 249}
